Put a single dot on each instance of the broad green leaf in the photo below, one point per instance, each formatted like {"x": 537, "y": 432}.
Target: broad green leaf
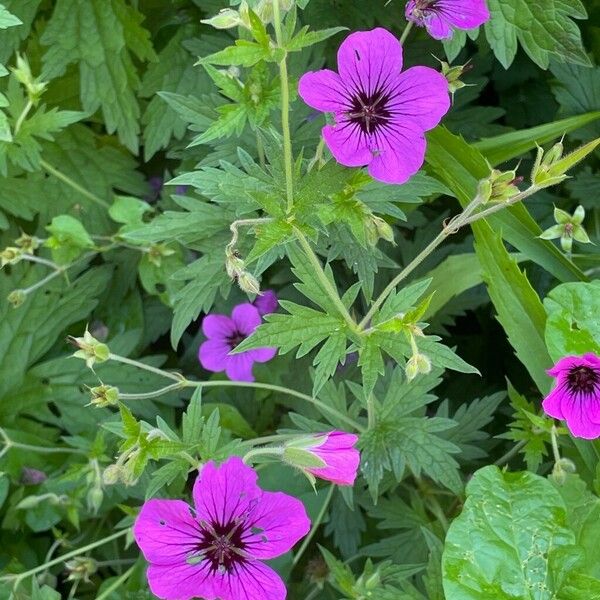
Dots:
{"x": 504, "y": 147}
{"x": 7, "y": 19}
{"x": 544, "y": 28}
{"x": 498, "y": 547}
{"x": 243, "y": 54}
{"x": 10, "y": 38}
{"x": 573, "y": 324}
{"x": 305, "y": 38}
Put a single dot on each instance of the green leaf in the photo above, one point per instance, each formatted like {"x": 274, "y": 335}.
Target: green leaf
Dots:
{"x": 573, "y": 326}
{"x": 520, "y": 311}
{"x": 243, "y": 54}
{"x": 328, "y": 358}
{"x": 128, "y": 210}
{"x": 10, "y": 39}
{"x": 68, "y": 240}
{"x": 100, "y": 36}
{"x": 8, "y": 19}
{"x": 370, "y": 362}
{"x": 544, "y": 28}
{"x": 305, "y": 38}
{"x": 498, "y": 546}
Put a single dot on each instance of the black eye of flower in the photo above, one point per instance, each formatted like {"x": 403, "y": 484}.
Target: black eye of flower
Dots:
{"x": 583, "y": 380}
{"x": 370, "y": 111}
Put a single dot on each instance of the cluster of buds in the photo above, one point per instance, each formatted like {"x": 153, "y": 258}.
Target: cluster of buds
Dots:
{"x": 229, "y": 18}
{"x": 90, "y": 349}
{"x": 236, "y": 269}
{"x": 24, "y": 245}
{"x": 568, "y": 228}
{"x": 500, "y": 186}
{"x": 33, "y": 85}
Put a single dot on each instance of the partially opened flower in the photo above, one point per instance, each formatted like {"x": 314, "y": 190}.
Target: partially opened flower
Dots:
{"x": 223, "y": 335}
{"x": 266, "y": 303}
{"x": 576, "y": 395}
{"x": 215, "y": 549}
{"x": 331, "y": 456}
{"x": 381, "y": 114}
{"x": 441, "y": 17}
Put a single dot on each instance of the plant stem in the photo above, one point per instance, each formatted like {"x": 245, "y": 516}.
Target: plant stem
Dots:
{"x": 145, "y": 367}
{"x": 554, "y": 440}
{"x": 17, "y": 578}
{"x": 116, "y": 584}
{"x": 260, "y": 150}
{"x": 23, "y": 116}
{"x": 42, "y": 261}
{"x": 325, "y": 282}
{"x": 154, "y": 394}
{"x": 316, "y": 524}
{"x": 8, "y": 443}
{"x": 285, "y": 109}
{"x": 512, "y": 452}
{"x": 269, "y": 439}
{"x": 405, "y": 33}
{"x": 96, "y": 199}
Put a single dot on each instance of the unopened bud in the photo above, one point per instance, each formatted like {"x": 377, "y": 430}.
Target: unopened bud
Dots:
{"x": 248, "y": 283}
{"x": 500, "y": 186}
{"x": 29, "y": 244}
{"x": 417, "y": 363}
{"x": 225, "y": 19}
{"x": 156, "y": 252}
{"x": 234, "y": 265}
{"x": 302, "y": 459}
{"x": 81, "y": 568}
{"x": 104, "y": 395}
{"x": 384, "y": 229}
{"x": 112, "y": 474}
{"x": 94, "y": 499}
{"x": 453, "y": 75}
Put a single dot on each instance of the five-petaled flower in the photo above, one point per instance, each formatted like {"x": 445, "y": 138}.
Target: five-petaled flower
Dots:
{"x": 576, "y": 395}
{"x": 223, "y": 334}
{"x": 215, "y": 549}
{"x": 381, "y": 114}
{"x": 441, "y": 17}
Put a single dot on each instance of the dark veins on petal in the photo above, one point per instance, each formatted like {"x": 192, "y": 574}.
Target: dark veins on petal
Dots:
{"x": 583, "y": 380}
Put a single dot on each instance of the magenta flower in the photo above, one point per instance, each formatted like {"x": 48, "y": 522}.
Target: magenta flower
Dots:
{"x": 381, "y": 114}
{"x": 266, "y": 303}
{"x": 336, "y": 449}
{"x": 441, "y": 17}
{"x": 576, "y": 395}
{"x": 223, "y": 335}
{"x": 215, "y": 549}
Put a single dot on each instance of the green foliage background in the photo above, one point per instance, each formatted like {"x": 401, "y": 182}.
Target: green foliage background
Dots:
{"x": 132, "y": 136}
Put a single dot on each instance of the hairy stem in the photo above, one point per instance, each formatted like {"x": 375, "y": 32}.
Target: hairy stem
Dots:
{"x": 65, "y": 179}
{"x": 406, "y": 31}
{"x": 23, "y": 116}
{"x": 285, "y": 110}
{"x": 327, "y": 285}
{"x": 145, "y": 367}
{"x": 116, "y": 584}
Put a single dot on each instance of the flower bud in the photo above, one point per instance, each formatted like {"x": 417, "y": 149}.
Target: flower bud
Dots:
{"x": 500, "y": 186}
{"x": 330, "y": 456}
{"x": 16, "y": 298}
{"x": 104, "y": 395}
{"x": 156, "y": 252}
{"x": 225, "y": 19}
{"x": 10, "y": 256}
{"x": 94, "y": 499}
{"x": 31, "y": 476}
{"x": 248, "y": 283}
{"x": 81, "y": 568}
{"x": 383, "y": 229}
{"x": 90, "y": 349}
{"x": 453, "y": 75}
{"x": 234, "y": 265}
{"x": 112, "y": 474}
{"x": 417, "y": 363}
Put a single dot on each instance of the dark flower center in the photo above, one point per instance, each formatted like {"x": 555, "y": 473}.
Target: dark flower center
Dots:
{"x": 422, "y": 8}
{"x": 222, "y": 545}
{"x": 583, "y": 380}
{"x": 236, "y": 339}
{"x": 369, "y": 112}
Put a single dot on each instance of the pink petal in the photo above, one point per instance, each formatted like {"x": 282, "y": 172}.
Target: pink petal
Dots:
{"x": 239, "y": 366}
{"x": 323, "y": 90}
{"x": 246, "y": 318}
{"x": 340, "y": 456}
{"x": 348, "y": 144}
{"x": 223, "y": 493}
{"x": 401, "y": 153}
{"x": 276, "y": 525}
{"x": 464, "y": 14}
{"x": 578, "y": 419}
{"x": 368, "y": 60}
{"x": 214, "y": 355}
{"x": 262, "y": 355}
{"x": 421, "y": 96}
{"x": 166, "y": 531}
{"x": 251, "y": 581}
{"x": 552, "y": 403}
{"x": 438, "y": 27}
{"x": 266, "y": 303}
{"x": 182, "y": 581}
{"x": 218, "y": 326}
